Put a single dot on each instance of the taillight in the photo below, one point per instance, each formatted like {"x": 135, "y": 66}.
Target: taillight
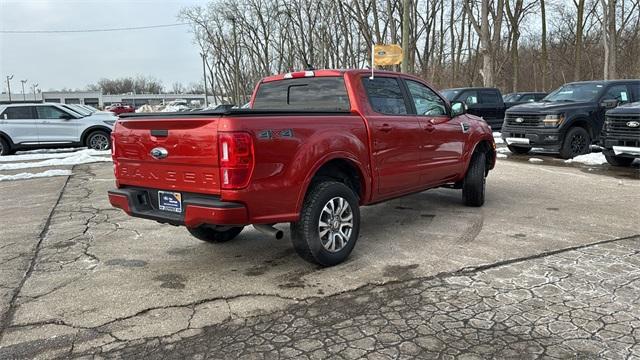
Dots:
{"x": 235, "y": 154}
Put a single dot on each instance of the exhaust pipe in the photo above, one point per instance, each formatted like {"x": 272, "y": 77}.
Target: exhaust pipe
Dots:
{"x": 269, "y": 230}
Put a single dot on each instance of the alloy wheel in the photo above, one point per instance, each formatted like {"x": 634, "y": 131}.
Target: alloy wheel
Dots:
{"x": 99, "y": 142}
{"x": 335, "y": 224}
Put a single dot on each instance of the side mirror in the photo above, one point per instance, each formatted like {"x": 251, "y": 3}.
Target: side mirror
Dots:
{"x": 609, "y": 103}
{"x": 458, "y": 108}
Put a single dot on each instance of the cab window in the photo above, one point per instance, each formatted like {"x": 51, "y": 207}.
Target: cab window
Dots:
{"x": 618, "y": 92}
{"x": 426, "y": 101}
{"x": 385, "y": 95}
{"x": 469, "y": 97}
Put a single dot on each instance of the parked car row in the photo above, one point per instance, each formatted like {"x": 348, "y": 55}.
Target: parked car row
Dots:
{"x": 567, "y": 121}
{"x": 49, "y": 125}
{"x": 572, "y": 118}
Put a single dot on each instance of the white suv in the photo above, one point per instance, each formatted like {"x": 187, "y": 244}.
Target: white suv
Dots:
{"x": 32, "y": 126}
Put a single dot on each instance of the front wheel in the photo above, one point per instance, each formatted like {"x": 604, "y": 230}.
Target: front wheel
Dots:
{"x": 474, "y": 183}
{"x": 618, "y": 160}
{"x": 329, "y": 224}
{"x": 576, "y": 142}
{"x": 215, "y": 234}
{"x": 98, "y": 140}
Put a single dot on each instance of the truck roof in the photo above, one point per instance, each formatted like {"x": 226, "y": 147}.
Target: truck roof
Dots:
{"x": 472, "y": 88}
{"x": 334, "y": 72}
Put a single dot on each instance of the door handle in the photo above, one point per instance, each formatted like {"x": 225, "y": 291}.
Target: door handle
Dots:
{"x": 385, "y": 128}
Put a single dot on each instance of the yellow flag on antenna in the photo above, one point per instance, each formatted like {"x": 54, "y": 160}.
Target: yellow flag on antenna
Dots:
{"x": 387, "y": 54}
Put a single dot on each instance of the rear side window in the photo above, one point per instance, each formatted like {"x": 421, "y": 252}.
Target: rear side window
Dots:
{"x": 385, "y": 95}
{"x": 489, "y": 97}
{"x": 528, "y": 97}
{"x": 18, "y": 112}
{"x": 315, "y": 94}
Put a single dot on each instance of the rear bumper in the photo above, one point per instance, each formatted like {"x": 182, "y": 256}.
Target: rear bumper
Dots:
{"x": 198, "y": 209}
{"x": 548, "y": 139}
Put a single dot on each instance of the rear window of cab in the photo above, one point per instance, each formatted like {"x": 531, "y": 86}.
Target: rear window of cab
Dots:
{"x": 309, "y": 93}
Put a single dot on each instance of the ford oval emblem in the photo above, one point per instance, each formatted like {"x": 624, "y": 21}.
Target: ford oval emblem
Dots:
{"x": 159, "y": 153}
{"x": 633, "y": 124}
{"x": 519, "y": 120}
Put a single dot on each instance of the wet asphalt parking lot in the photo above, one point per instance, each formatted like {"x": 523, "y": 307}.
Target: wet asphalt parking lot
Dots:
{"x": 549, "y": 267}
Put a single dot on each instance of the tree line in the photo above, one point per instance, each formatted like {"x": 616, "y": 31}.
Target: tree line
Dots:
{"x": 143, "y": 85}
{"x": 511, "y": 44}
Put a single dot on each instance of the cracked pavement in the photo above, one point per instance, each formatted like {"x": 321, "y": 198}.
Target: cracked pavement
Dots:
{"x": 80, "y": 278}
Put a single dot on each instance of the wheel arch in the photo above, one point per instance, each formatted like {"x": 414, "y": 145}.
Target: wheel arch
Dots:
{"x": 579, "y": 121}
{"x": 340, "y": 167}
{"x": 89, "y": 130}
{"x": 484, "y": 145}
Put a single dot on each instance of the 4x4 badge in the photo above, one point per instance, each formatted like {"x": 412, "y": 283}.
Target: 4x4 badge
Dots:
{"x": 633, "y": 124}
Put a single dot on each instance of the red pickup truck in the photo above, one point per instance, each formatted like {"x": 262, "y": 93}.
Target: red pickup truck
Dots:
{"x": 314, "y": 146}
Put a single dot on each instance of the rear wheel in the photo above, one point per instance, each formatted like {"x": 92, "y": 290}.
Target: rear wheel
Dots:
{"x": 98, "y": 140}
{"x": 329, "y": 224}
{"x": 576, "y": 142}
{"x": 474, "y": 183}
{"x": 618, "y": 160}
{"x": 4, "y": 147}
{"x": 518, "y": 149}
{"x": 215, "y": 234}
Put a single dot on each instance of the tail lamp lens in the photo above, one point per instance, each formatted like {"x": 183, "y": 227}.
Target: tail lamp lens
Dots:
{"x": 236, "y": 159}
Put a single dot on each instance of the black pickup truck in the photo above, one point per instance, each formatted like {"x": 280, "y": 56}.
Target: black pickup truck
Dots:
{"x": 483, "y": 102}
{"x": 569, "y": 120}
{"x": 620, "y": 137}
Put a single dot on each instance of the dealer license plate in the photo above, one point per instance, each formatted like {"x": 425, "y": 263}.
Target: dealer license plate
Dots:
{"x": 170, "y": 201}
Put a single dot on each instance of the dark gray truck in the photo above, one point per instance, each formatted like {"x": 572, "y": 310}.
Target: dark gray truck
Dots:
{"x": 620, "y": 137}
{"x": 569, "y": 120}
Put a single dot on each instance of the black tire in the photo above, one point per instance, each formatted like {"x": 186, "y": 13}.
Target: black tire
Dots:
{"x": 5, "y": 149}
{"x": 519, "y": 149}
{"x": 576, "y": 142}
{"x": 618, "y": 160}
{"x": 96, "y": 140}
{"x": 474, "y": 183}
{"x": 213, "y": 234}
{"x": 306, "y": 233}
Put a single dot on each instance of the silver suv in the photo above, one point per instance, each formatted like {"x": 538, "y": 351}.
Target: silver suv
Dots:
{"x": 33, "y": 126}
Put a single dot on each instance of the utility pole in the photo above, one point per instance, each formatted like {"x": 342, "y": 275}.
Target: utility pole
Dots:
{"x": 35, "y": 86}
{"x": 405, "y": 36}
{"x": 9, "y": 86}
{"x": 235, "y": 62}
{"x": 204, "y": 75}
{"x": 24, "y": 96}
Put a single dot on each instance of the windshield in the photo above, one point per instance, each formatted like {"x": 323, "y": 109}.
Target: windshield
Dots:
{"x": 75, "y": 111}
{"x": 450, "y": 94}
{"x": 575, "y": 92}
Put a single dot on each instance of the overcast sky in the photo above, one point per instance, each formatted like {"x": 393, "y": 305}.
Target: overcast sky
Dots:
{"x": 73, "y": 60}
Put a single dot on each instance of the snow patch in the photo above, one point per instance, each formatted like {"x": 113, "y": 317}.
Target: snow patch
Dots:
{"x": 50, "y": 155}
{"x": 503, "y": 150}
{"x": 24, "y": 176}
{"x": 76, "y": 158}
{"x": 502, "y": 156}
{"x": 535, "y": 160}
{"x": 589, "y": 159}
{"x": 497, "y": 137}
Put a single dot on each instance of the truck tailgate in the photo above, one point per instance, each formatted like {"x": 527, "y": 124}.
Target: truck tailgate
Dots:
{"x": 190, "y": 146}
